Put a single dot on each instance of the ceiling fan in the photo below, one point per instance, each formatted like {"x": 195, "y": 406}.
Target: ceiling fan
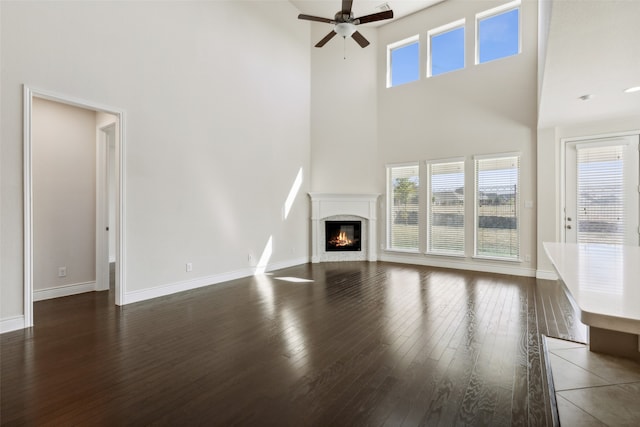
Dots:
{"x": 345, "y": 23}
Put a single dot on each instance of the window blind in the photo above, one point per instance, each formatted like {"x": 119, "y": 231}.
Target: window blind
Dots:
{"x": 600, "y": 211}
{"x": 402, "y": 221}
{"x": 446, "y": 208}
{"x": 497, "y": 203}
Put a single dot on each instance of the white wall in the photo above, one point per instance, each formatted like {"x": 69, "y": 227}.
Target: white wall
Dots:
{"x": 544, "y": 26}
{"x": 482, "y": 109}
{"x": 216, "y": 96}
{"x": 64, "y": 194}
{"x": 343, "y": 113}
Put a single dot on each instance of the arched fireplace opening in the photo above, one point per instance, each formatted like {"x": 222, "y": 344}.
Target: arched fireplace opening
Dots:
{"x": 343, "y": 236}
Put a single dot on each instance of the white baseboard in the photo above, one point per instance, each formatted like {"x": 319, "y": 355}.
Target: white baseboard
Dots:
{"x": 461, "y": 264}
{"x": 11, "y": 324}
{"x": 286, "y": 264}
{"x": 546, "y": 275}
{"x": 199, "y": 282}
{"x": 63, "y": 291}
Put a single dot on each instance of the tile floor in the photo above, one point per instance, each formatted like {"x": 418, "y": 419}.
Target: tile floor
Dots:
{"x": 593, "y": 389}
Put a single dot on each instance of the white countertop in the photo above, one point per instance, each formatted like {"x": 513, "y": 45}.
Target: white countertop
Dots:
{"x": 604, "y": 281}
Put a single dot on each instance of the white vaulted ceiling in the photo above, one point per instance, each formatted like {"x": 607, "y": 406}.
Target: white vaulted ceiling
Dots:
{"x": 328, "y": 8}
{"x": 593, "y": 49}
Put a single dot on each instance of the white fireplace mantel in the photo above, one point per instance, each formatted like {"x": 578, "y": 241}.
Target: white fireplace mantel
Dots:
{"x": 325, "y": 205}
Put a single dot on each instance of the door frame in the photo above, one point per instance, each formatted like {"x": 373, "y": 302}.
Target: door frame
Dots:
{"x": 564, "y": 142}
{"x": 28, "y": 94}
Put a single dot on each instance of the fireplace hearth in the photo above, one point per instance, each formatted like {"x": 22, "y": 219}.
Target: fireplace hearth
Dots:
{"x": 343, "y": 236}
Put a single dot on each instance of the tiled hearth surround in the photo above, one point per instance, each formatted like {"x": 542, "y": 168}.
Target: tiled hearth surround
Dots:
{"x": 336, "y": 206}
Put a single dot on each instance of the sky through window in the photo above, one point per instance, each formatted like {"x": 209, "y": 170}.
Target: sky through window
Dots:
{"x": 447, "y": 51}
{"x": 498, "y": 36}
{"x": 405, "y": 64}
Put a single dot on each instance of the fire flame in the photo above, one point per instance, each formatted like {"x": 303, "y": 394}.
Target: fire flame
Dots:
{"x": 341, "y": 240}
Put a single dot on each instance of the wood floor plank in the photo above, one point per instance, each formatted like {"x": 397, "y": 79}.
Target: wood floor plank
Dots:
{"x": 357, "y": 344}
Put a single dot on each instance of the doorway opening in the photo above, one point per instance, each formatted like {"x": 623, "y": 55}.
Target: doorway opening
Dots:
{"x": 108, "y": 202}
{"x": 601, "y": 199}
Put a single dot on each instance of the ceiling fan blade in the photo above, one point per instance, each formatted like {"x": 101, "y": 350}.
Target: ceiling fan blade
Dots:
{"x": 326, "y": 39}
{"x": 387, "y": 14}
{"x": 359, "y": 38}
{"x": 346, "y": 7}
{"x": 315, "y": 18}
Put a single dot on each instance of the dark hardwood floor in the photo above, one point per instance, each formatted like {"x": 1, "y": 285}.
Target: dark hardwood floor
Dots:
{"x": 356, "y": 344}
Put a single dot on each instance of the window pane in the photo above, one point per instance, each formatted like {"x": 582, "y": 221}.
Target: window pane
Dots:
{"x": 403, "y": 201}
{"x": 601, "y": 195}
{"x": 446, "y": 208}
{"x": 498, "y": 36}
{"x": 447, "y": 51}
{"x": 405, "y": 65}
{"x": 497, "y": 201}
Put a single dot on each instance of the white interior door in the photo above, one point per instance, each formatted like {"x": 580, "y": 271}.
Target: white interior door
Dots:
{"x": 602, "y": 201}
{"x": 106, "y": 139}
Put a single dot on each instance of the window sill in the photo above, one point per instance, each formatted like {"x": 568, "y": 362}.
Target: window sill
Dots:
{"x": 403, "y": 251}
{"x": 444, "y": 254}
{"x": 495, "y": 258}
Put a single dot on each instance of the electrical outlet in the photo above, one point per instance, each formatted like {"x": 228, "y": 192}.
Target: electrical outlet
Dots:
{"x": 62, "y": 271}
{"x": 189, "y": 267}
{"x": 527, "y": 258}
{"x": 249, "y": 257}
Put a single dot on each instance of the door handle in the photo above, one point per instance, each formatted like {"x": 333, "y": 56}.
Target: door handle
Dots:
{"x": 568, "y": 227}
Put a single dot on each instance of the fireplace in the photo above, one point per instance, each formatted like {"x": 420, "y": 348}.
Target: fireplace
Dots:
{"x": 343, "y": 236}
{"x": 356, "y": 210}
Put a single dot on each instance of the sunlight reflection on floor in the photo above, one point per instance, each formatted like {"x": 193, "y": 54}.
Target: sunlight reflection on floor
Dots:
{"x": 294, "y": 279}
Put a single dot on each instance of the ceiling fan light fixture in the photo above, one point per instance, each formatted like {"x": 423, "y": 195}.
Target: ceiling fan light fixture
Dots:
{"x": 345, "y": 29}
{"x": 344, "y": 23}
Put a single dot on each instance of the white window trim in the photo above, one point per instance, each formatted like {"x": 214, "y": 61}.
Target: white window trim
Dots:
{"x": 446, "y": 255}
{"x": 460, "y": 23}
{"x": 404, "y": 251}
{"x": 601, "y": 144}
{"x": 475, "y": 205}
{"x": 428, "y": 164}
{"x": 396, "y": 45}
{"x": 492, "y": 258}
{"x": 497, "y": 156}
{"x": 447, "y": 160}
{"x": 493, "y": 12}
{"x": 387, "y": 246}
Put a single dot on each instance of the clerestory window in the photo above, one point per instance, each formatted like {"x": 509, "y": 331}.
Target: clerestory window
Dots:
{"x": 403, "y": 61}
{"x": 498, "y": 32}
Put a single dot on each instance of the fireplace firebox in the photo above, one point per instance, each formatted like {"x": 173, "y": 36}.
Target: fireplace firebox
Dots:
{"x": 343, "y": 236}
